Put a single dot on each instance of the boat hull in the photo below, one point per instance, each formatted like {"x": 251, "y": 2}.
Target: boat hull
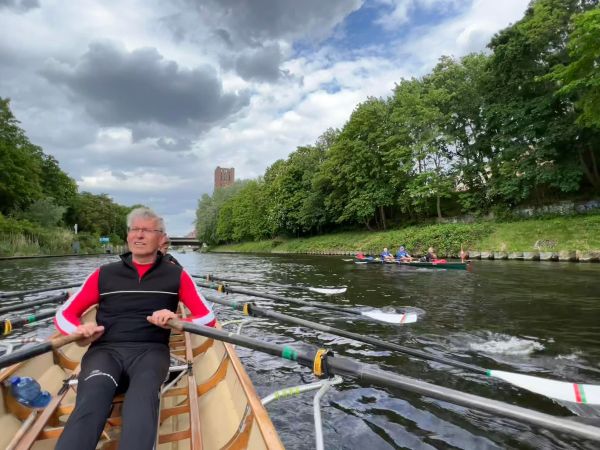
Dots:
{"x": 419, "y": 264}
{"x": 212, "y": 406}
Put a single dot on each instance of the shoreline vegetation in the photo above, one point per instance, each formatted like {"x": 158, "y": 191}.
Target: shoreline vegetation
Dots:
{"x": 572, "y": 238}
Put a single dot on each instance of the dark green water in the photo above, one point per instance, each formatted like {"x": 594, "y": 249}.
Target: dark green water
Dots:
{"x": 536, "y": 318}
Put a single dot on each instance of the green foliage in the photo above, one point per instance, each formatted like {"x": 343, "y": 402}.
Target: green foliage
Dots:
{"x": 581, "y": 75}
{"x": 98, "y": 214}
{"x": 20, "y": 237}
{"x": 26, "y": 173}
{"x": 483, "y": 133}
{"x": 44, "y": 212}
{"x": 570, "y": 233}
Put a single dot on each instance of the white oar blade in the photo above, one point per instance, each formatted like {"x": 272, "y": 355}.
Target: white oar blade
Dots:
{"x": 327, "y": 291}
{"x": 559, "y": 390}
{"x": 398, "y": 319}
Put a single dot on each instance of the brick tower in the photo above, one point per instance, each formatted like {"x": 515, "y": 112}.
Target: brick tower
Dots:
{"x": 224, "y": 177}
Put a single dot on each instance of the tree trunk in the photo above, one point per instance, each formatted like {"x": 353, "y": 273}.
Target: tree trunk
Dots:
{"x": 439, "y": 207}
{"x": 368, "y": 225}
{"x": 592, "y": 175}
{"x": 382, "y": 215}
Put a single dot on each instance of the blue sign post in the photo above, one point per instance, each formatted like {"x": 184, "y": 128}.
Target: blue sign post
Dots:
{"x": 104, "y": 240}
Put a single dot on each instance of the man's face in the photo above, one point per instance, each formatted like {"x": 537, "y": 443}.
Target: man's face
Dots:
{"x": 143, "y": 237}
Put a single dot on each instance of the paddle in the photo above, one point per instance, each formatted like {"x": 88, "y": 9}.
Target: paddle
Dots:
{"x": 35, "y": 350}
{"x": 323, "y": 364}
{"x": 326, "y": 291}
{"x": 558, "y": 390}
{"x": 393, "y": 318}
{"x": 8, "y": 325}
{"x": 57, "y": 298}
{"x": 36, "y": 291}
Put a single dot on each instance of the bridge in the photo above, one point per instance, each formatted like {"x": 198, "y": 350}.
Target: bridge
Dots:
{"x": 184, "y": 241}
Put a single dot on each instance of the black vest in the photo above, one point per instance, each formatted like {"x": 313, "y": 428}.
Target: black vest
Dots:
{"x": 126, "y": 300}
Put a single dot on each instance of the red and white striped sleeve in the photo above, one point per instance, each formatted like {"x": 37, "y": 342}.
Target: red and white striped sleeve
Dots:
{"x": 68, "y": 315}
{"x": 201, "y": 314}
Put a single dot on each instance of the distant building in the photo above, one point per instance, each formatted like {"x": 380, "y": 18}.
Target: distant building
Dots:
{"x": 224, "y": 177}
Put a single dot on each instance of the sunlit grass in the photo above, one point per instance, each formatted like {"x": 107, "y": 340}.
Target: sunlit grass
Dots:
{"x": 562, "y": 233}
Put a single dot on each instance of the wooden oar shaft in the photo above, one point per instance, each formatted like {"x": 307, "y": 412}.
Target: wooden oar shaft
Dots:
{"x": 260, "y": 312}
{"x": 57, "y": 298}
{"x": 35, "y": 350}
{"x": 276, "y": 298}
{"x": 348, "y": 367}
{"x": 37, "y": 291}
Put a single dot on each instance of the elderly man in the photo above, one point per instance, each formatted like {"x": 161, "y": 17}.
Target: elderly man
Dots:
{"x": 129, "y": 350}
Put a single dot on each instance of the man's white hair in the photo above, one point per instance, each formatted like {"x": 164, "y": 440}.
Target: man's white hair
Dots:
{"x": 145, "y": 213}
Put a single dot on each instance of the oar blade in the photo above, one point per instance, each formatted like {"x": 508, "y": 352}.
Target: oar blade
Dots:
{"x": 328, "y": 291}
{"x": 559, "y": 390}
{"x": 395, "y": 318}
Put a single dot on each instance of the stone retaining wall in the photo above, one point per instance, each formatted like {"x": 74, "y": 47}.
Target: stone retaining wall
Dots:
{"x": 570, "y": 255}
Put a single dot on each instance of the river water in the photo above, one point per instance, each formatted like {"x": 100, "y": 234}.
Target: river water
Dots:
{"x": 529, "y": 317}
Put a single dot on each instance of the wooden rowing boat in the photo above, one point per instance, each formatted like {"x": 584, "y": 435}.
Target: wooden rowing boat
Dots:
{"x": 211, "y": 406}
{"x": 420, "y": 264}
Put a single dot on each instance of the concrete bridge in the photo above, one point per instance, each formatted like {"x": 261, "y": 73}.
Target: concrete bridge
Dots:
{"x": 184, "y": 241}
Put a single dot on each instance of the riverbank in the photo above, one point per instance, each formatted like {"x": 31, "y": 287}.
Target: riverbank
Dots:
{"x": 557, "y": 238}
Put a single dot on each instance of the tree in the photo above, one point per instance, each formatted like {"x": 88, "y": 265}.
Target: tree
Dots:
{"x": 20, "y": 164}
{"x": 421, "y": 153}
{"x": 98, "y": 214}
{"x": 56, "y": 183}
{"x": 580, "y": 79}
{"x": 359, "y": 178}
{"x": 531, "y": 128}
{"x": 45, "y": 212}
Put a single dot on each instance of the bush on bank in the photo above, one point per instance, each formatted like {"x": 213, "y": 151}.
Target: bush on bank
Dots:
{"x": 556, "y": 233}
{"x": 23, "y": 238}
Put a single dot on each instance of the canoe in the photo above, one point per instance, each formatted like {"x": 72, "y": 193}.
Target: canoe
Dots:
{"x": 212, "y": 406}
{"x": 420, "y": 264}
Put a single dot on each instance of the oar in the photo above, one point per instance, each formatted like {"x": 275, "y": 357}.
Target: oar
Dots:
{"x": 558, "y": 390}
{"x": 8, "y": 325}
{"x": 393, "y": 318}
{"x": 37, "y": 291}
{"x": 327, "y": 291}
{"x": 57, "y": 298}
{"x": 324, "y": 364}
{"x": 38, "y": 349}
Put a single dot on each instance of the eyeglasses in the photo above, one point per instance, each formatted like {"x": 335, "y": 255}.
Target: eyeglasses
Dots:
{"x": 143, "y": 230}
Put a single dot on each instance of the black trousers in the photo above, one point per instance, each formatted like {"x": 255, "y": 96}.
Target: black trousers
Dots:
{"x": 139, "y": 369}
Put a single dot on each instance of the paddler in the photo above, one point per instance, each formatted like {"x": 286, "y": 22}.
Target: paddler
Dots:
{"x": 129, "y": 344}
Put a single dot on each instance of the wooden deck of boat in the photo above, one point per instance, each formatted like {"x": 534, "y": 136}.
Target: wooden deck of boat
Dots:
{"x": 213, "y": 406}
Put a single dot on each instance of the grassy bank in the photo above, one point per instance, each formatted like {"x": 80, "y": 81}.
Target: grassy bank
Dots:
{"x": 555, "y": 234}
{"x": 22, "y": 238}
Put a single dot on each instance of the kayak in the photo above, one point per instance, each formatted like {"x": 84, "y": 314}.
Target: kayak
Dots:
{"x": 419, "y": 264}
{"x": 214, "y": 405}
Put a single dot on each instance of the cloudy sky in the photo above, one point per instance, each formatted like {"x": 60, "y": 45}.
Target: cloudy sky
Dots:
{"x": 142, "y": 99}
